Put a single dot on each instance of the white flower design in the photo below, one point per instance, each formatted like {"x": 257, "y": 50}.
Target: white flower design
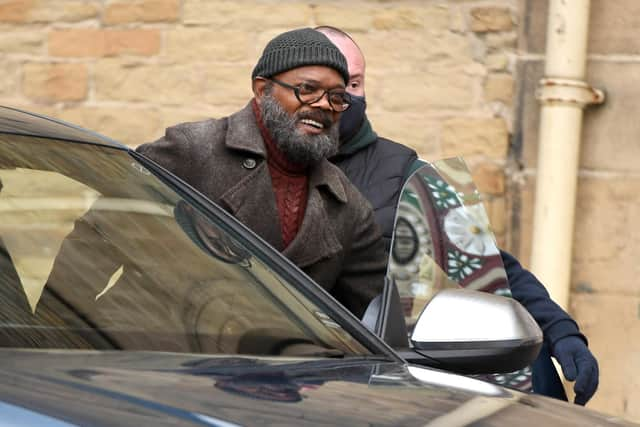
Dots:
{"x": 468, "y": 228}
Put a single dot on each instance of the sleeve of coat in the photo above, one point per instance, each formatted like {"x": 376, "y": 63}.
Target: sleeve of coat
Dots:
{"x": 528, "y": 291}
{"x": 364, "y": 267}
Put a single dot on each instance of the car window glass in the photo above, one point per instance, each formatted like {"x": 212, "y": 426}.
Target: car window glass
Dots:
{"x": 98, "y": 253}
{"x": 442, "y": 238}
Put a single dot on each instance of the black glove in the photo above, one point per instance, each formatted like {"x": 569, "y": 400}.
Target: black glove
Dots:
{"x": 579, "y": 365}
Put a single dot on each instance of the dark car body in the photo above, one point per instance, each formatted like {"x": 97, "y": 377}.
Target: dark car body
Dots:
{"x": 189, "y": 318}
{"x": 105, "y": 389}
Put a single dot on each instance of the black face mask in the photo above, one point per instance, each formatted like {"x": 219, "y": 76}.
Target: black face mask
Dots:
{"x": 351, "y": 120}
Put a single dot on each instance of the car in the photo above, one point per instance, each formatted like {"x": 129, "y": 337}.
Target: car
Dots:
{"x": 128, "y": 298}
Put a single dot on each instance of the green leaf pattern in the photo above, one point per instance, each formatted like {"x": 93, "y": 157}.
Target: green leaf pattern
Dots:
{"x": 461, "y": 265}
{"x": 445, "y": 195}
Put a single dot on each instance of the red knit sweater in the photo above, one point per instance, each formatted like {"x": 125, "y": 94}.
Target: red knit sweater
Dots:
{"x": 290, "y": 182}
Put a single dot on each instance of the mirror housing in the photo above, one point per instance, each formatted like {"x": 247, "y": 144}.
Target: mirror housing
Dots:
{"x": 475, "y": 332}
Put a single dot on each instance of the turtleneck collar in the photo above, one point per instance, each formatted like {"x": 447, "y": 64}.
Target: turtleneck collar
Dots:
{"x": 275, "y": 156}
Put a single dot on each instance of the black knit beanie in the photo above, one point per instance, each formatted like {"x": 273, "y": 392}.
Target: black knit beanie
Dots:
{"x": 297, "y": 48}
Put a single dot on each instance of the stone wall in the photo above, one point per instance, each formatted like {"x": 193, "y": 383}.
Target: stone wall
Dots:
{"x": 441, "y": 77}
{"x": 440, "y": 73}
{"x": 605, "y": 293}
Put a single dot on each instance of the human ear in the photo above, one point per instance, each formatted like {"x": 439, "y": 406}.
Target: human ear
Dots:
{"x": 258, "y": 86}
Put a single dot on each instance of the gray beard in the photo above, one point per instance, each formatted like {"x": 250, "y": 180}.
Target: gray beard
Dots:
{"x": 299, "y": 148}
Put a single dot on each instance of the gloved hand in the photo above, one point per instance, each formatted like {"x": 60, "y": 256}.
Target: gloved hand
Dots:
{"x": 579, "y": 365}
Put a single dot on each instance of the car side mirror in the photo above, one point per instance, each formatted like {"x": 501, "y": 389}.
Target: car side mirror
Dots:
{"x": 474, "y": 332}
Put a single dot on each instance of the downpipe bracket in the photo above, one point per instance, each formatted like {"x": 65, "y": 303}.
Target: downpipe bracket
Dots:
{"x": 552, "y": 91}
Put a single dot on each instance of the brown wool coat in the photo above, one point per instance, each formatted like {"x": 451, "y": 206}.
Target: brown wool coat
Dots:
{"x": 338, "y": 244}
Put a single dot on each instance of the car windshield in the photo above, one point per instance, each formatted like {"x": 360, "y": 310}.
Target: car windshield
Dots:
{"x": 98, "y": 253}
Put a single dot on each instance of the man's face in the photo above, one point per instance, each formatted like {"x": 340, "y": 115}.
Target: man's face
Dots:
{"x": 355, "y": 62}
{"x": 305, "y": 133}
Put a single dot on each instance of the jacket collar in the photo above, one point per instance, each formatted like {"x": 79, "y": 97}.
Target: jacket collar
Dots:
{"x": 243, "y": 134}
{"x": 364, "y": 137}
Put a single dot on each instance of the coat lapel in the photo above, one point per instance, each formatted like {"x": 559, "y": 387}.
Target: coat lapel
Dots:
{"x": 252, "y": 201}
{"x": 316, "y": 239}
{"x": 250, "y": 198}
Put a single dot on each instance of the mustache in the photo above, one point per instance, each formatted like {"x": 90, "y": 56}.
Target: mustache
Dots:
{"x": 319, "y": 116}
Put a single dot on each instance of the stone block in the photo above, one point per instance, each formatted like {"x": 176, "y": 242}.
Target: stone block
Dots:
{"x": 16, "y": 11}
{"x": 227, "y": 85}
{"x": 172, "y": 84}
{"x": 521, "y": 197}
{"x": 173, "y": 116}
{"x": 21, "y": 42}
{"x": 124, "y": 12}
{"x": 418, "y": 17}
{"x": 55, "y": 82}
{"x": 42, "y": 11}
{"x": 497, "y": 211}
{"x": 499, "y": 87}
{"x": 489, "y": 178}
{"x": 440, "y": 88}
{"x": 246, "y": 15}
{"x": 10, "y": 78}
{"x": 608, "y": 136}
{"x": 130, "y": 126}
{"x": 497, "y": 61}
{"x": 533, "y": 31}
{"x": 403, "y": 50}
{"x": 458, "y": 22}
{"x": 611, "y": 321}
{"x": 352, "y": 19}
{"x": 612, "y": 30}
{"x": 501, "y": 41}
{"x": 527, "y": 119}
{"x": 97, "y": 43}
{"x": 468, "y": 136}
{"x": 223, "y": 46}
{"x": 606, "y": 246}
{"x": 486, "y": 19}
{"x": 411, "y": 129}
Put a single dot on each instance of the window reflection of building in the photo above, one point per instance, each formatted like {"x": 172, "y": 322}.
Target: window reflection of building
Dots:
{"x": 101, "y": 236}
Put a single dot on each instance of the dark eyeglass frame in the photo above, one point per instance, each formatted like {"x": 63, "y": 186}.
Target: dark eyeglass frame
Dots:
{"x": 296, "y": 91}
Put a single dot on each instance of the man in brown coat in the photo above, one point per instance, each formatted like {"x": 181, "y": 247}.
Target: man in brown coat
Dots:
{"x": 266, "y": 165}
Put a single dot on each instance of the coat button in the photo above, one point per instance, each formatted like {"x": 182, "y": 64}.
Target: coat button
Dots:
{"x": 249, "y": 163}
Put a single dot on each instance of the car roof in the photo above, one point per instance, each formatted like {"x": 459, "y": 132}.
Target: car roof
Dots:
{"x": 17, "y": 122}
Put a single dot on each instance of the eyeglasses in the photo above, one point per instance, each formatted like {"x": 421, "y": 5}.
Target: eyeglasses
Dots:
{"x": 309, "y": 94}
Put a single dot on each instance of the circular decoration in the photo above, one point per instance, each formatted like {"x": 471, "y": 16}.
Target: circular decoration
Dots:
{"x": 467, "y": 227}
{"x": 405, "y": 242}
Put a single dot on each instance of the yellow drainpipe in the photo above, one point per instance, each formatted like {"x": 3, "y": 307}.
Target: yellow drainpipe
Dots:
{"x": 563, "y": 94}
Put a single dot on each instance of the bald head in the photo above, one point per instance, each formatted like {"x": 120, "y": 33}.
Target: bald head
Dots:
{"x": 353, "y": 54}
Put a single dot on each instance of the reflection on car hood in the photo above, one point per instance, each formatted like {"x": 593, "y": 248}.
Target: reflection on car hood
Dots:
{"x": 143, "y": 388}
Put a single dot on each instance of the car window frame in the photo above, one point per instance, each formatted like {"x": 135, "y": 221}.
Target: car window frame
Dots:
{"x": 280, "y": 264}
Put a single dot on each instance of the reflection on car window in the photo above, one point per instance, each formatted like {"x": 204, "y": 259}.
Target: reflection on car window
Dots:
{"x": 95, "y": 252}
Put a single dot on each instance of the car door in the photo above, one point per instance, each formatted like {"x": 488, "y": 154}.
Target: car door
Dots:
{"x": 103, "y": 249}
